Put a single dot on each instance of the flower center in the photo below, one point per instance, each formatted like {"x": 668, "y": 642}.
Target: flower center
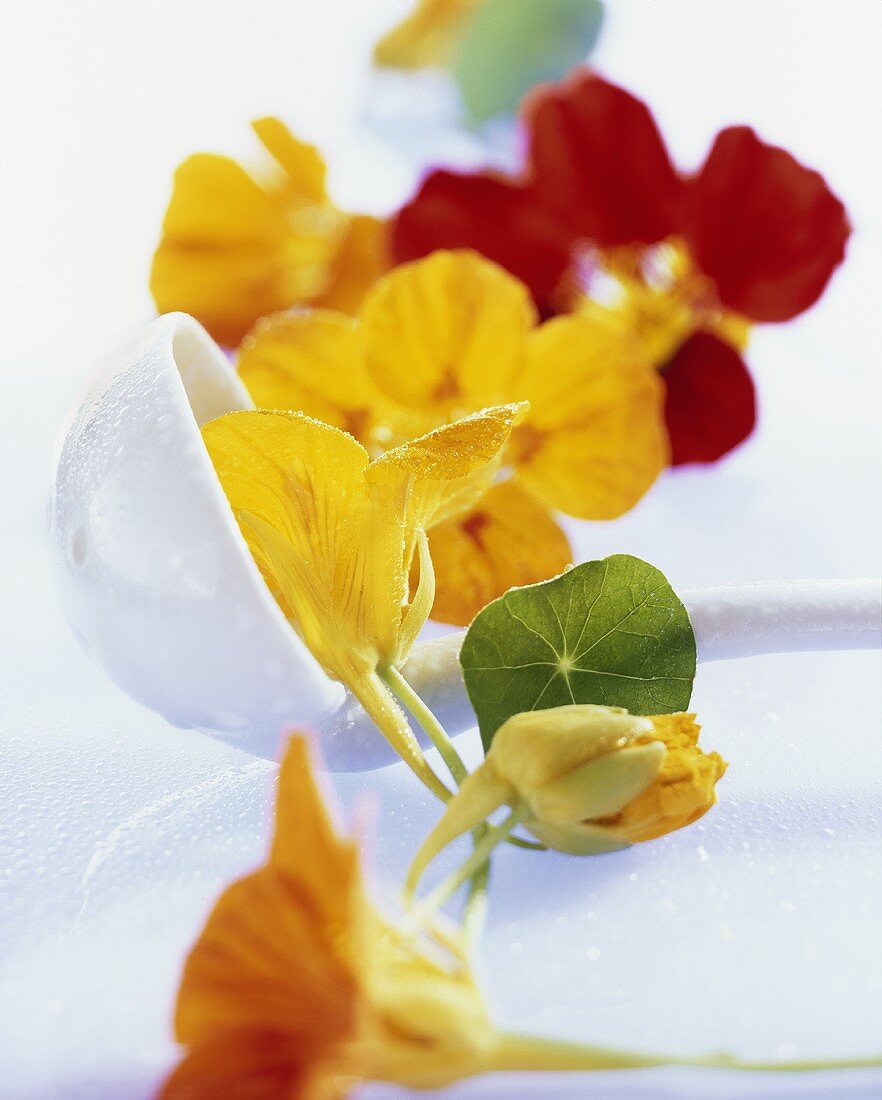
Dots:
{"x": 657, "y": 294}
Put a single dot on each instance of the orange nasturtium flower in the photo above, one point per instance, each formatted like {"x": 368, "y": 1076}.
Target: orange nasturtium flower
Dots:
{"x": 299, "y": 988}
{"x": 427, "y": 37}
{"x": 336, "y": 535}
{"x": 236, "y": 246}
{"x": 442, "y": 337}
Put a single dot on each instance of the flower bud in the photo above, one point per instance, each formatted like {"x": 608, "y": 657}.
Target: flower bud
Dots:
{"x": 593, "y": 779}
{"x": 597, "y": 778}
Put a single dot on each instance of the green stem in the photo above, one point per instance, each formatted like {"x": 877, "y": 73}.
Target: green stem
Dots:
{"x": 522, "y": 1052}
{"x": 440, "y": 738}
{"x": 527, "y": 845}
{"x": 390, "y": 719}
{"x": 475, "y": 908}
{"x": 433, "y": 728}
{"x": 476, "y": 862}
{"x": 474, "y": 912}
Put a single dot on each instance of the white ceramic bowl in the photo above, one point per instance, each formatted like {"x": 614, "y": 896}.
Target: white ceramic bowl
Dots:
{"x": 154, "y": 575}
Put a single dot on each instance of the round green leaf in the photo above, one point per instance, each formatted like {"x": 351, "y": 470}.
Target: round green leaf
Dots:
{"x": 508, "y": 46}
{"x": 612, "y": 632}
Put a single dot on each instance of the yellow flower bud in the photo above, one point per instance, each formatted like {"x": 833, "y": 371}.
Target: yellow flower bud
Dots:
{"x": 597, "y": 778}
{"x": 592, "y": 779}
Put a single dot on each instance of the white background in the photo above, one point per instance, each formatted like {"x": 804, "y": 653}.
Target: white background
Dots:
{"x": 758, "y": 931}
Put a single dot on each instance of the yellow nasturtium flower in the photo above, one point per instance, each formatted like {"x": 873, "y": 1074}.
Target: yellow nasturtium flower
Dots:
{"x": 236, "y": 246}
{"x": 335, "y": 534}
{"x": 441, "y": 337}
{"x": 427, "y": 37}
{"x": 590, "y": 778}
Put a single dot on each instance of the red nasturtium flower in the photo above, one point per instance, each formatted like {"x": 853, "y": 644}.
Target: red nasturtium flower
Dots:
{"x": 601, "y": 220}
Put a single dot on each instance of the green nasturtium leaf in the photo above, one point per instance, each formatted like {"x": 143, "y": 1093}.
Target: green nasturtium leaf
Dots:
{"x": 509, "y": 46}
{"x": 612, "y": 632}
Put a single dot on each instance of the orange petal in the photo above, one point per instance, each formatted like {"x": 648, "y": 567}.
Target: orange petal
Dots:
{"x": 363, "y": 257}
{"x": 447, "y": 333}
{"x": 507, "y": 539}
{"x": 279, "y": 951}
{"x": 683, "y": 791}
{"x": 248, "y": 1066}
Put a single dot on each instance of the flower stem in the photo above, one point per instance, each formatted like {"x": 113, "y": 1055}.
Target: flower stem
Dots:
{"x": 474, "y": 913}
{"x": 476, "y": 862}
{"x": 522, "y": 1052}
{"x": 374, "y": 696}
{"x": 439, "y": 738}
{"x": 433, "y": 728}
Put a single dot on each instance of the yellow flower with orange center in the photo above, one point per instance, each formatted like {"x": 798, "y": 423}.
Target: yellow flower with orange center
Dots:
{"x": 236, "y": 246}
{"x": 442, "y": 337}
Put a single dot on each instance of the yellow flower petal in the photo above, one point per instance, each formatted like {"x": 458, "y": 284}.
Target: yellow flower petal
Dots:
{"x": 427, "y": 36}
{"x": 457, "y": 449}
{"x": 362, "y": 258}
{"x": 595, "y": 439}
{"x": 297, "y": 487}
{"x": 507, "y": 539}
{"x": 311, "y": 363}
{"x": 304, "y": 170}
{"x": 451, "y": 467}
{"x": 234, "y": 248}
{"x": 221, "y": 248}
{"x": 447, "y": 333}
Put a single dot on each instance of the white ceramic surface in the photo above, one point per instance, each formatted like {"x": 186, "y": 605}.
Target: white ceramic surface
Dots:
{"x": 152, "y": 570}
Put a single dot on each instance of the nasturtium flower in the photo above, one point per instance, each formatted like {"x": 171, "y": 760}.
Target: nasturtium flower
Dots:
{"x": 592, "y": 778}
{"x": 601, "y": 221}
{"x": 236, "y": 246}
{"x": 299, "y": 987}
{"x": 335, "y": 534}
{"x": 448, "y": 335}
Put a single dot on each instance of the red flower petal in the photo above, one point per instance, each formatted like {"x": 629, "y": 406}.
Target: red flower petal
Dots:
{"x": 769, "y": 231}
{"x": 710, "y": 405}
{"x": 501, "y": 220}
{"x": 599, "y": 159}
